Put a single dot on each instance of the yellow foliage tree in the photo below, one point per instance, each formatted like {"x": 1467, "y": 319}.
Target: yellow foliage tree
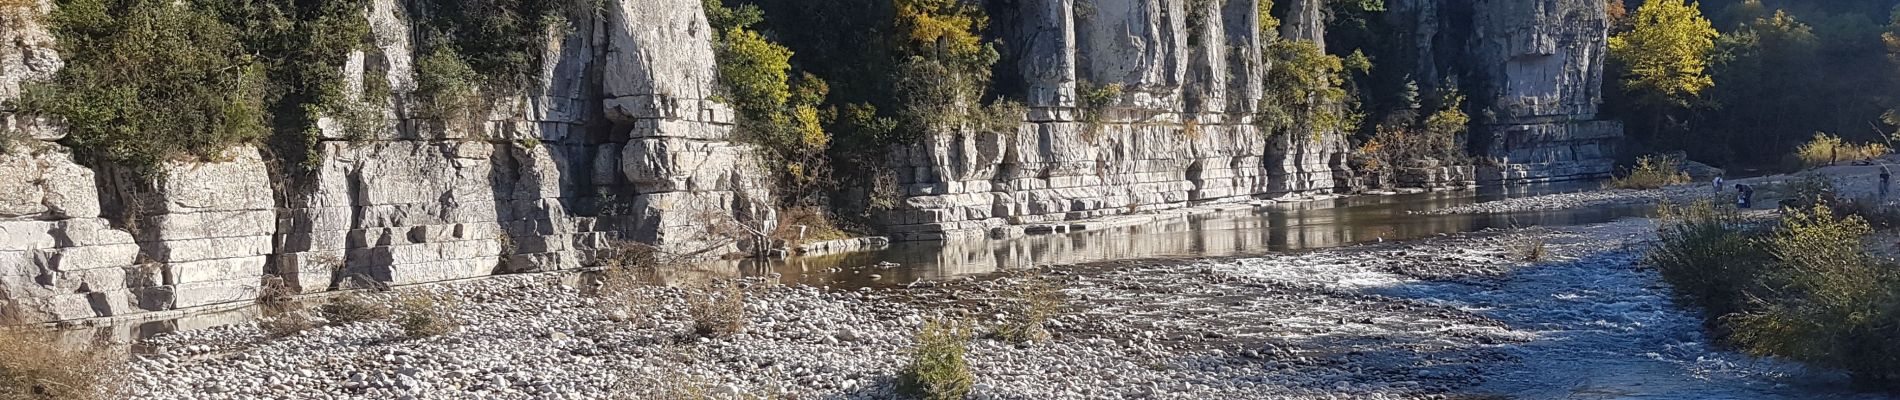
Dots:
{"x": 948, "y": 26}
{"x": 1667, "y": 52}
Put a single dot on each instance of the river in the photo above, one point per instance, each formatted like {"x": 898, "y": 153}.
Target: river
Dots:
{"x": 1416, "y": 308}
{"x": 1247, "y": 231}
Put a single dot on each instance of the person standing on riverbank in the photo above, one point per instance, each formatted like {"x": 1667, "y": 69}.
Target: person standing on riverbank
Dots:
{"x": 1718, "y": 184}
{"x": 1886, "y": 177}
{"x": 1745, "y": 197}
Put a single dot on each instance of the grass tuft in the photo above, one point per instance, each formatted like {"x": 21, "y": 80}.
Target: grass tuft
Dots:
{"x": 422, "y": 315}
{"x": 352, "y": 308}
{"x": 719, "y": 310}
{"x": 1034, "y": 299}
{"x": 36, "y": 366}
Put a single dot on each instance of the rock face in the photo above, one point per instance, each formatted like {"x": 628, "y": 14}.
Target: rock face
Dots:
{"x": 617, "y": 140}
{"x": 620, "y": 138}
{"x": 1179, "y": 135}
{"x": 1544, "y": 64}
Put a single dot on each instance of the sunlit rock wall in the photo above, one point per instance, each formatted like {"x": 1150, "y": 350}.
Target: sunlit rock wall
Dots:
{"x": 618, "y": 139}
{"x": 1179, "y": 135}
{"x": 1541, "y": 64}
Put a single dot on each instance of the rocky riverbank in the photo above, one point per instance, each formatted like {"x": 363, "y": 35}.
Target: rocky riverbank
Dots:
{"x": 1441, "y": 318}
{"x": 1854, "y": 180}
{"x": 1565, "y": 201}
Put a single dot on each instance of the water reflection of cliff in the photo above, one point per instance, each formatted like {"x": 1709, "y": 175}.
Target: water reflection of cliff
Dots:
{"x": 1261, "y": 230}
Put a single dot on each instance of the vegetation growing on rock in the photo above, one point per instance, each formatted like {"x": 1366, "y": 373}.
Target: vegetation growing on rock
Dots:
{"x": 150, "y": 81}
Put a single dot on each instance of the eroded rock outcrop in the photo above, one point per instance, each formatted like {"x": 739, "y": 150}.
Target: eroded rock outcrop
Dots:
{"x": 1545, "y": 74}
{"x": 618, "y": 139}
{"x": 1537, "y": 70}
{"x": 1179, "y": 134}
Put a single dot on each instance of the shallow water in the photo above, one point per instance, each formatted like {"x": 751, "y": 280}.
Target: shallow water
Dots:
{"x": 1281, "y": 227}
{"x": 1593, "y": 326}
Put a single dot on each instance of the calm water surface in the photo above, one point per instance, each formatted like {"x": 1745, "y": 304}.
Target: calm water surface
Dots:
{"x": 1262, "y": 230}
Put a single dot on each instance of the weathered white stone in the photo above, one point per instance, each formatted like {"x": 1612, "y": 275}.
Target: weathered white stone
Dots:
{"x": 88, "y": 257}
{"x": 198, "y": 294}
{"x": 26, "y": 235}
{"x": 241, "y": 182}
{"x": 71, "y": 191}
{"x": 659, "y": 53}
{"x": 183, "y": 250}
{"x": 229, "y": 269}
{"x": 213, "y": 224}
{"x": 21, "y": 193}
{"x": 1139, "y": 44}
{"x": 30, "y": 54}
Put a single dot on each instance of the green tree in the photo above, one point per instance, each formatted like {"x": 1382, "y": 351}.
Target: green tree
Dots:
{"x": 1666, "y": 53}
{"x": 775, "y": 112}
{"x": 755, "y": 71}
{"x": 1774, "y": 89}
{"x": 1303, "y": 87}
{"x": 945, "y": 64}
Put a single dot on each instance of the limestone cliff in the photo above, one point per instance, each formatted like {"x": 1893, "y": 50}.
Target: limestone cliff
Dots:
{"x": 1543, "y": 65}
{"x": 1537, "y": 70}
{"x": 617, "y": 139}
{"x": 620, "y": 138}
{"x": 1179, "y": 134}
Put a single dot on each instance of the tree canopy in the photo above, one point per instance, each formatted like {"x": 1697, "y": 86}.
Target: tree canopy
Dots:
{"x": 1666, "y": 52}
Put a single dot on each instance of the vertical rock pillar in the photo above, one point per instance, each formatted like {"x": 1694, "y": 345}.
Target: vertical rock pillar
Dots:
{"x": 1543, "y": 60}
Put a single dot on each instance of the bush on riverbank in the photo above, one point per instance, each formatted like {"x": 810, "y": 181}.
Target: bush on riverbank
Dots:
{"x": 1825, "y": 150}
{"x": 1836, "y": 305}
{"x": 1710, "y": 255}
{"x": 938, "y": 369}
{"x": 1806, "y": 290}
{"x": 1651, "y": 173}
{"x": 719, "y": 310}
{"x": 1033, "y": 300}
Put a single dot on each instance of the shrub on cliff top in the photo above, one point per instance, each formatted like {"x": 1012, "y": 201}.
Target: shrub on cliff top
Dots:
{"x": 151, "y": 81}
{"x": 147, "y": 81}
